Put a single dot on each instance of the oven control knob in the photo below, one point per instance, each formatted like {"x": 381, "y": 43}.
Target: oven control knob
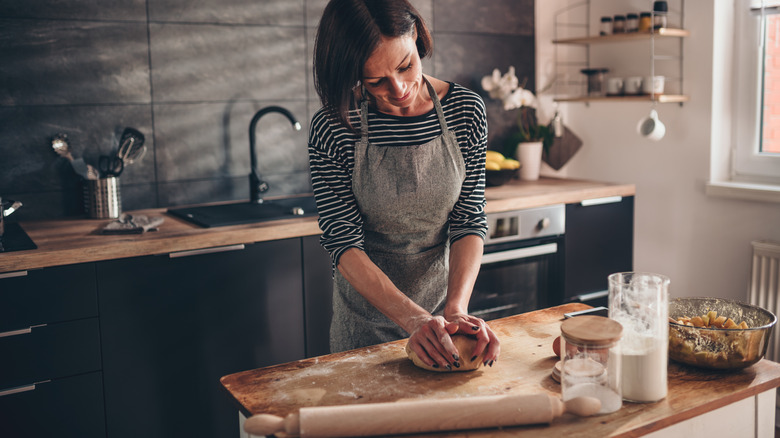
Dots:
{"x": 542, "y": 224}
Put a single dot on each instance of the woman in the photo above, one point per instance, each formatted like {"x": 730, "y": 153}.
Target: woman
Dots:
{"x": 397, "y": 161}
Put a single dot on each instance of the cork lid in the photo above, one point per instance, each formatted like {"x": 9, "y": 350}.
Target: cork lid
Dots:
{"x": 591, "y": 330}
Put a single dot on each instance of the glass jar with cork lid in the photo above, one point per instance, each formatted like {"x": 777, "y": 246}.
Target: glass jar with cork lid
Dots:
{"x": 590, "y": 364}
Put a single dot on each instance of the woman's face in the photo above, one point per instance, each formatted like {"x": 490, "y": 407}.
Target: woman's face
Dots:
{"x": 393, "y": 75}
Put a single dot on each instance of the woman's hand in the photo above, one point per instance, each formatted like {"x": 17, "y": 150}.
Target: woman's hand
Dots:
{"x": 487, "y": 341}
{"x": 432, "y": 343}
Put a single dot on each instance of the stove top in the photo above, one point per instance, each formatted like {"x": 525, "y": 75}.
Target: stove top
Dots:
{"x": 15, "y": 239}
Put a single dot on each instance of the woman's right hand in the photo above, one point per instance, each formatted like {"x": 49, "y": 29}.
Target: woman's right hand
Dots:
{"x": 432, "y": 343}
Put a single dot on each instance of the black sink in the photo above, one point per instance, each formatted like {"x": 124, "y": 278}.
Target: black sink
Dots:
{"x": 246, "y": 212}
{"x": 15, "y": 239}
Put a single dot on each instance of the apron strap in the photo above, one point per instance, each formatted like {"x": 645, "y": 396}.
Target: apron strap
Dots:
{"x": 437, "y": 105}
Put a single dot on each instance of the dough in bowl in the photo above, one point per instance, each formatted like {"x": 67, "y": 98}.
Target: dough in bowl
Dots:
{"x": 464, "y": 344}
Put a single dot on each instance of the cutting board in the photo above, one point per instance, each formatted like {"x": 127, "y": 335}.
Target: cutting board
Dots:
{"x": 383, "y": 373}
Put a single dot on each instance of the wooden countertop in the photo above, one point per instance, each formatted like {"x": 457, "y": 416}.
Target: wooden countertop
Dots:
{"x": 69, "y": 241}
{"x": 383, "y": 373}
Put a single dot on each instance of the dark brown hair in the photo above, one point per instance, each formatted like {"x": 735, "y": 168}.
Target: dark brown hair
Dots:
{"x": 348, "y": 33}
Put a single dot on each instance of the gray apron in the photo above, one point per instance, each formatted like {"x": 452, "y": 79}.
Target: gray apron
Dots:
{"x": 405, "y": 195}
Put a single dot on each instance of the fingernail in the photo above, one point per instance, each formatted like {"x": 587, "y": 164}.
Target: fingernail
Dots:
{"x": 457, "y": 365}
{"x": 474, "y": 358}
{"x": 456, "y": 357}
{"x": 491, "y": 363}
{"x": 475, "y": 328}
{"x": 449, "y": 367}
{"x": 435, "y": 365}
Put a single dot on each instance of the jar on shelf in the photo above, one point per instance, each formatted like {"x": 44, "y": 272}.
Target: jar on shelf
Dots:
{"x": 619, "y": 24}
{"x": 645, "y": 22}
{"x": 632, "y": 22}
{"x": 606, "y": 26}
{"x": 591, "y": 361}
{"x": 660, "y": 9}
{"x": 595, "y": 80}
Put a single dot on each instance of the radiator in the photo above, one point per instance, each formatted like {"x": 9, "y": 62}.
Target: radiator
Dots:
{"x": 764, "y": 290}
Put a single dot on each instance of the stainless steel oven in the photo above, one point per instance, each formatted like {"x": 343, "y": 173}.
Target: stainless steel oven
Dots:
{"x": 522, "y": 266}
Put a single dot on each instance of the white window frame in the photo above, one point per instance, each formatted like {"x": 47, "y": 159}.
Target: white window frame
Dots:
{"x": 749, "y": 164}
{"x": 737, "y": 168}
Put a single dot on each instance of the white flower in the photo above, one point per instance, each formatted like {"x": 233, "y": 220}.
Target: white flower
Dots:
{"x": 499, "y": 87}
{"x": 507, "y": 89}
{"x": 519, "y": 98}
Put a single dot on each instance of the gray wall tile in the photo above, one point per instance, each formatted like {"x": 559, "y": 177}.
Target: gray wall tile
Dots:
{"x": 84, "y": 68}
{"x": 209, "y": 62}
{"x": 209, "y": 140}
{"x": 71, "y": 62}
{"x": 466, "y": 58}
{"x": 508, "y": 17}
{"x": 125, "y": 10}
{"x": 266, "y": 12}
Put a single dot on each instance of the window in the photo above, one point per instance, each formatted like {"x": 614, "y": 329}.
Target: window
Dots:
{"x": 756, "y": 140}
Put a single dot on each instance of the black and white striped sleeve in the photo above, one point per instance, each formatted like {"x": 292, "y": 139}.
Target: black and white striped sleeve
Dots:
{"x": 468, "y": 216}
{"x": 331, "y": 176}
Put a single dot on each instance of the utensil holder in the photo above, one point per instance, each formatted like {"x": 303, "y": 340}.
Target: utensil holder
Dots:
{"x": 102, "y": 198}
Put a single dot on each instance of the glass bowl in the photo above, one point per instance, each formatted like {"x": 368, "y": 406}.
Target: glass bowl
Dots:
{"x": 719, "y": 348}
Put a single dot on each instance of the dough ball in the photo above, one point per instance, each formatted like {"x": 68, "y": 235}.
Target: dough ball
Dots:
{"x": 464, "y": 344}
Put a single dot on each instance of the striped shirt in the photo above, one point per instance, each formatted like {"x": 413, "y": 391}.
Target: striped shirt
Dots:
{"x": 332, "y": 152}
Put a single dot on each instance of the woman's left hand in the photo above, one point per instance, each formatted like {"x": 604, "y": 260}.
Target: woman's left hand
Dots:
{"x": 487, "y": 340}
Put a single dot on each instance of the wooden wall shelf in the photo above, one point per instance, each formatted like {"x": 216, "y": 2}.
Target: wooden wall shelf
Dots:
{"x": 660, "y": 98}
{"x": 631, "y": 36}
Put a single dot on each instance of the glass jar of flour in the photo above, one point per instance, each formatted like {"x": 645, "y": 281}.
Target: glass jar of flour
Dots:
{"x": 640, "y": 303}
{"x": 590, "y": 364}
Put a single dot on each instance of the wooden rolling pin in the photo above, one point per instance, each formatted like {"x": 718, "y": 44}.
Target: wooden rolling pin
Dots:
{"x": 421, "y": 416}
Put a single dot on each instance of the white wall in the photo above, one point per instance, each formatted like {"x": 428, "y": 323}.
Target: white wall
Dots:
{"x": 701, "y": 242}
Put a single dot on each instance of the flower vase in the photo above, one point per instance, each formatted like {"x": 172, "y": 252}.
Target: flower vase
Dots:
{"x": 529, "y": 154}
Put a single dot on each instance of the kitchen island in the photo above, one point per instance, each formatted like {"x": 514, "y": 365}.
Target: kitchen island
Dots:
{"x": 699, "y": 403}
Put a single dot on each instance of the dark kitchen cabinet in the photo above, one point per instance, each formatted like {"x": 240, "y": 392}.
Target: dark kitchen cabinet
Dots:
{"x": 172, "y": 326}
{"x": 318, "y": 293}
{"x": 50, "y": 380}
{"x": 599, "y": 241}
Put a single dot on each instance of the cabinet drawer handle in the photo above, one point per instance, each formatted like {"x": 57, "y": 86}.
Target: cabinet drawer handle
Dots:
{"x": 23, "y": 331}
{"x": 13, "y": 274}
{"x": 19, "y": 389}
{"x": 599, "y": 201}
{"x": 194, "y": 252}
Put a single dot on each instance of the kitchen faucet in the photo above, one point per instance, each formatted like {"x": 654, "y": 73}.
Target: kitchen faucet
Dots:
{"x": 257, "y": 186}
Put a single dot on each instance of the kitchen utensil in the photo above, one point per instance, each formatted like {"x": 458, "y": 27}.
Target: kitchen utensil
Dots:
{"x": 651, "y": 127}
{"x": 102, "y": 198}
{"x": 12, "y": 206}
{"x": 131, "y": 146}
{"x": 110, "y": 166}
{"x": 418, "y": 416}
{"x": 556, "y": 124}
{"x": 719, "y": 348}
{"x": 60, "y": 145}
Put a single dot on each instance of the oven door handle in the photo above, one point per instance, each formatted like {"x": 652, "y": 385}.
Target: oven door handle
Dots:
{"x": 520, "y": 253}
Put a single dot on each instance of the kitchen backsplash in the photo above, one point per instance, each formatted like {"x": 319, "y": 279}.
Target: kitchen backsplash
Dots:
{"x": 190, "y": 75}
